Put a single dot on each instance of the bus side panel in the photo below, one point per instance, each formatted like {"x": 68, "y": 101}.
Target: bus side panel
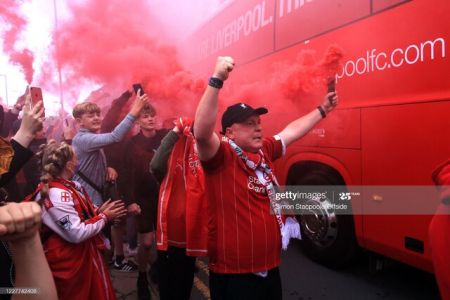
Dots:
{"x": 401, "y": 145}
{"x": 397, "y": 56}
{"x": 296, "y": 23}
{"x": 244, "y": 30}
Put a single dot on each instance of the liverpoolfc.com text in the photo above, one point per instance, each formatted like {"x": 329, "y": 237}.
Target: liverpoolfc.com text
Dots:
{"x": 375, "y": 60}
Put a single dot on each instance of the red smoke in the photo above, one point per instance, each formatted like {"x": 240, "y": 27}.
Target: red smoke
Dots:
{"x": 332, "y": 60}
{"x": 293, "y": 87}
{"x": 293, "y": 80}
{"x": 298, "y": 78}
{"x": 116, "y": 43}
{"x": 14, "y": 24}
{"x": 306, "y": 74}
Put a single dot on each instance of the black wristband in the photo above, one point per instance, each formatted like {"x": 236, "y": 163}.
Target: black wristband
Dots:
{"x": 322, "y": 111}
{"x": 215, "y": 82}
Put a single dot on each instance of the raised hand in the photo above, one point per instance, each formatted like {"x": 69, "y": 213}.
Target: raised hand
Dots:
{"x": 139, "y": 103}
{"x": 330, "y": 101}
{"x": 183, "y": 125}
{"x": 19, "y": 220}
{"x": 224, "y": 65}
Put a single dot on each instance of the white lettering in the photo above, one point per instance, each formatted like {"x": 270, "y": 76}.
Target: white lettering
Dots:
{"x": 244, "y": 25}
{"x": 432, "y": 43}
{"x": 417, "y": 54}
{"x": 392, "y": 57}
{"x": 350, "y": 63}
{"x": 411, "y": 54}
{"x": 376, "y": 61}
{"x": 289, "y": 8}
{"x": 364, "y": 66}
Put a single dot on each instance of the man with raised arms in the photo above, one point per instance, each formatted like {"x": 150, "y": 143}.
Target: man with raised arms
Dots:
{"x": 245, "y": 237}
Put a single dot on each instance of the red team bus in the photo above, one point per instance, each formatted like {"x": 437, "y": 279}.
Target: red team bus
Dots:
{"x": 391, "y": 126}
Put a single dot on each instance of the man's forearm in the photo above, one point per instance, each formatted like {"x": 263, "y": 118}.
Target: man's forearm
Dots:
{"x": 298, "y": 128}
{"x": 206, "y": 114}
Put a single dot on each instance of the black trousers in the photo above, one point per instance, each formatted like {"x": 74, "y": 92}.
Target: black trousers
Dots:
{"x": 245, "y": 286}
{"x": 175, "y": 274}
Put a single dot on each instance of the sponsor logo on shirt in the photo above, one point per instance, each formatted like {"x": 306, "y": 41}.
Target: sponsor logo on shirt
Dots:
{"x": 254, "y": 184}
{"x": 64, "y": 223}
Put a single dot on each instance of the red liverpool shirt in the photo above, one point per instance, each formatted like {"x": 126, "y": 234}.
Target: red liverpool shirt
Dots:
{"x": 244, "y": 236}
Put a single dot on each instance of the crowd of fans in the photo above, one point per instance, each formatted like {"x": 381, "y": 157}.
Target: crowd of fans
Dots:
{"x": 75, "y": 191}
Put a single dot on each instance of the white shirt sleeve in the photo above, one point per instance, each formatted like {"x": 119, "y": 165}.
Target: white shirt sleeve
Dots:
{"x": 61, "y": 216}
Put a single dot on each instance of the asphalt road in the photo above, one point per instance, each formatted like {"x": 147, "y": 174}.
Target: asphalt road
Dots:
{"x": 303, "y": 279}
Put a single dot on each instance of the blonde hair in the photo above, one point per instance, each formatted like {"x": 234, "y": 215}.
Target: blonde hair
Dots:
{"x": 84, "y": 108}
{"x": 53, "y": 158}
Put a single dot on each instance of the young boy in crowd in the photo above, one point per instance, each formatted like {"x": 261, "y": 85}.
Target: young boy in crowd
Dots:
{"x": 93, "y": 171}
{"x": 142, "y": 192}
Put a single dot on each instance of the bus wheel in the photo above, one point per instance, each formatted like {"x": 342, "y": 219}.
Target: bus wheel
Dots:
{"x": 327, "y": 237}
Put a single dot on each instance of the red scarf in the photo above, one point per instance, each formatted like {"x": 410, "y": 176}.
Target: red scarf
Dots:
{"x": 196, "y": 205}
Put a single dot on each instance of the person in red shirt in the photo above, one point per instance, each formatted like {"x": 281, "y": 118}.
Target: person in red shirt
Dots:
{"x": 439, "y": 230}
{"x": 245, "y": 238}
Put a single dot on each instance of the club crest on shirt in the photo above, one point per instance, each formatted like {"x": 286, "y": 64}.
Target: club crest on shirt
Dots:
{"x": 254, "y": 184}
{"x": 64, "y": 223}
{"x": 65, "y": 197}
{"x": 194, "y": 164}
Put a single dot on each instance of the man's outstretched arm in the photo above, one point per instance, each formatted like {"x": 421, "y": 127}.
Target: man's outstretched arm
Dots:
{"x": 298, "y": 128}
{"x": 205, "y": 117}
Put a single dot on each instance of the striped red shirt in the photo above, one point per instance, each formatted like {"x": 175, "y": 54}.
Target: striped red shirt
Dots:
{"x": 244, "y": 236}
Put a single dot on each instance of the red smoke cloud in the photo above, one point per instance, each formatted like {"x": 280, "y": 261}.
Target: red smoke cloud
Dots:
{"x": 291, "y": 89}
{"x": 293, "y": 80}
{"x": 306, "y": 73}
{"x": 116, "y": 43}
{"x": 332, "y": 61}
{"x": 13, "y": 25}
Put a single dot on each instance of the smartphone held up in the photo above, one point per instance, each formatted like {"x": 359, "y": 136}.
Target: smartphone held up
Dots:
{"x": 36, "y": 95}
{"x": 137, "y": 87}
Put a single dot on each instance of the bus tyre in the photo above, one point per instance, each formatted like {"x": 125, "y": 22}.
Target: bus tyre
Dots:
{"x": 327, "y": 237}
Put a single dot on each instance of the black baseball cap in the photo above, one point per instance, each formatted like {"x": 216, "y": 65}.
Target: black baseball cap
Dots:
{"x": 238, "y": 113}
